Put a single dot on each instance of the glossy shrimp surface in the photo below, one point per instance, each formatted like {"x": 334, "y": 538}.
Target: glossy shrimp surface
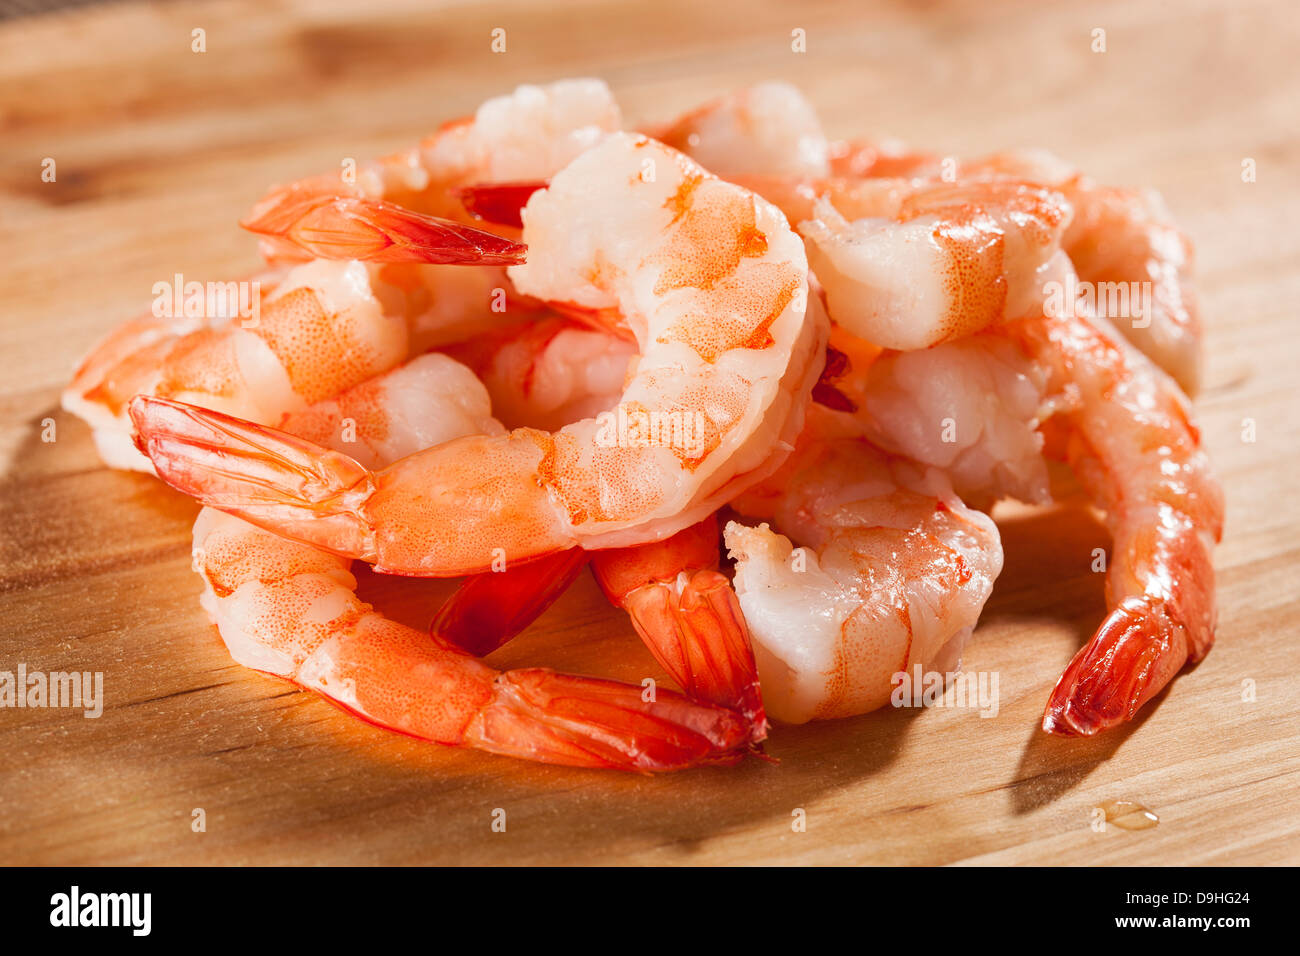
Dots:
{"x": 544, "y": 375}
{"x": 935, "y": 262}
{"x": 291, "y": 610}
{"x": 891, "y": 571}
{"x": 321, "y": 328}
{"x": 407, "y": 207}
{"x": 728, "y": 351}
{"x": 1126, "y": 238}
{"x": 1069, "y": 388}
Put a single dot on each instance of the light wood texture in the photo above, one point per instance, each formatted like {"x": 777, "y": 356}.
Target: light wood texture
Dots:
{"x": 159, "y": 150}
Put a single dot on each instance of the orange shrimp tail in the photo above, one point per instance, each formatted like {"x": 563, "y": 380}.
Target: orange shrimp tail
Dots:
{"x": 266, "y": 476}
{"x": 588, "y": 722}
{"x": 697, "y": 631}
{"x": 499, "y": 203}
{"x": 331, "y": 225}
{"x": 396, "y": 677}
{"x": 489, "y": 609}
{"x": 1137, "y": 651}
{"x": 699, "y": 636}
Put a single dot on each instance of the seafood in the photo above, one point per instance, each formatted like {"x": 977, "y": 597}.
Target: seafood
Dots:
{"x": 689, "y": 617}
{"x": 320, "y": 329}
{"x": 291, "y": 610}
{"x": 934, "y": 262}
{"x": 768, "y": 129}
{"x": 1124, "y": 239}
{"x": 408, "y": 205}
{"x": 892, "y": 571}
{"x": 842, "y": 353}
{"x": 716, "y": 293}
{"x": 545, "y": 375}
{"x": 1124, "y": 428}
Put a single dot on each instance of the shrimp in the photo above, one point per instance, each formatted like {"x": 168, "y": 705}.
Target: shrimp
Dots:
{"x": 1124, "y": 428}
{"x": 687, "y": 614}
{"x": 549, "y": 372}
{"x": 768, "y": 138}
{"x": 716, "y": 294}
{"x": 545, "y": 375}
{"x": 929, "y": 262}
{"x": 407, "y": 207}
{"x": 320, "y": 328}
{"x": 893, "y": 572}
{"x": 1123, "y": 239}
{"x": 291, "y": 610}
{"x": 768, "y": 129}
{"x": 1117, "y": 239}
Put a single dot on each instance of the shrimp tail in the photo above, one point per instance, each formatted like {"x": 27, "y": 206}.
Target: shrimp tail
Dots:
{"x": 268, "y": 477}
{"x": 303, "y": 219}
{"x": 1137, "y": 651}
{"x": 587, "y": 722}
{"x": 689, "y": 618}
{"x": 489, "y": 609}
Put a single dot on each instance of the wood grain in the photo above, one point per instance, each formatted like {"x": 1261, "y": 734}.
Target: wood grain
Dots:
{"x": 158, "y": 151}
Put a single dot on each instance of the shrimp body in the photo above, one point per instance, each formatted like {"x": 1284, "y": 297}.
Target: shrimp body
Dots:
{"x": 893, "y": 571}
{"x": 291, "y": 610}
{"x": 1132, "y": 444}
{"x": 769, "y": 129}
{"x": 681, "y": 606}
{"x": 549, "y": 372}
{"x": 1076, "y": 392}
{"x": 406, "y": 207}
{"x": 713, "y": 284}
{"x": 1124, "y": 239}
{"x": 936, "y": 261}
{"x": 321, "y": 329}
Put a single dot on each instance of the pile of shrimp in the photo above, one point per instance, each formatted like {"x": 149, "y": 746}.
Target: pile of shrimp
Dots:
{"x": 539, "y": 342}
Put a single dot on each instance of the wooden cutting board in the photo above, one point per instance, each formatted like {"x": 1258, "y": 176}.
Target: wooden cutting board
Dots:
{"x": 159, "y": 149}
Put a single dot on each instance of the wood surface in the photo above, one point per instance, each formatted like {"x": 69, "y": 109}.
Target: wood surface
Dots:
{"x": 160, "y": 149}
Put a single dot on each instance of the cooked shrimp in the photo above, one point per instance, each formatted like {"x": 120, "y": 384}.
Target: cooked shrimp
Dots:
{"x": 893, "y": 572}
{"x": 1117, "y": 238}
{"x": 1125, "y": 237}
{"x": 934, "y": 262}
{"x": 1125, "y": 430}
{"x": 291, "y": 610}
{"x": 320, "y": 329}
{"x": 406, "y": 206}
{"x": 768, "y": 129}
{"x": 543, "y": 376}
{"x": 549, "y": 372}
{"x": 714, "y": 285}
{"x": 689, "y": 617}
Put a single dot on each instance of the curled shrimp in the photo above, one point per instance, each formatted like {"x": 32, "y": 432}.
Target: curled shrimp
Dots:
{"x": 768, "y": 129}
{"x": 320, "y": 328}
{"x": 716, "y": 294}
{"x": 545, "y": 375}
{"x": 929, "y": 262}
{"x": 291, "y": 610}
{"x": 1125, "y": 430}
{"x": 892, "y": 571}
{"x": 1128, "y": 238}
{"x": 407, "y": 207}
